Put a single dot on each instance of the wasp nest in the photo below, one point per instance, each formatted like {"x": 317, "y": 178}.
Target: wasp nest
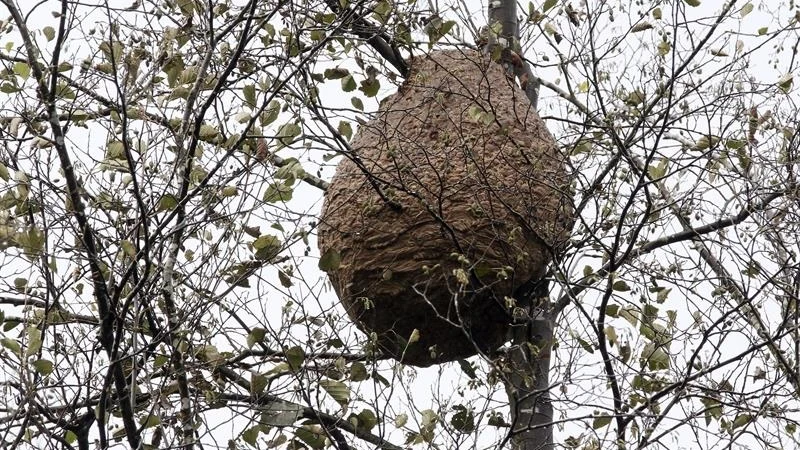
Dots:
{"x": 455, "y": 196}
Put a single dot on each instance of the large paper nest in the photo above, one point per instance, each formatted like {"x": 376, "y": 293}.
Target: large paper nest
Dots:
{"x": 455, "y": 198}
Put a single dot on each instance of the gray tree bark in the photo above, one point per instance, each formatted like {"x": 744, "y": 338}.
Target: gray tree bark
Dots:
{"x": 528, "y": 382}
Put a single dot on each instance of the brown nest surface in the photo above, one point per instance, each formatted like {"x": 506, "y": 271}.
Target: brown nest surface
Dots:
{"x": 454, "y": 197}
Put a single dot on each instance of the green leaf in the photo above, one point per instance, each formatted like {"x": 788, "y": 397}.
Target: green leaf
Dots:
{"x": 366, "y": 419}
{"x": 463, "y": 420}
{"x": 601, "y": 421}
{"x": 382, "y": 10}
{"x": 278, "y": 192}
{"x": 630, "y": 314}
{"x": 295, "y": 357}
{"x": 785, "y": 83}
{"x": 357, "y": 103}
{"x": 20, "y": 284}
{"x": 70, "y": 437}
{"x": 741, "y": 420}
{"x": 705, "y": 142}
{"x": 336, "y": 389}
{"x": 337, "y": 73}
{"x": 229, "y": 191}
{"x": 358, "y": 372}
{"x": 258, "y": 382}
{"x": 330, "y": 260}
{"x": 249, "y": 92}
{"x": 656, "y": 172}
{"x": 641, "y": 26}
{"x": 314, "y": 439}
{"x": 160, "y": 360}
{"x": 4, "y": 172}
{"x": 43, "y": 366}
{"x": 11, "y": 344}
{"x": 267, "y": 247}
{"x": 548, "y": 4}
{"x": 250, "y": 435}
{"x": 400, "y": 420}
{"x": 270, "y": 114}
{"x": 657, "y": 14}
{"x": 149, "y": 421}
{"x": 167, "y": 203}
{"x": 497, "y": 420}
{"x": 9, "y": 325}
{"x": 290, "y": 170}
{"x": 735, "y": 144}
{"x": 370, "y": 87}
{"x": 348, "y": 83}
{"x": 279, "y": 413}
{"x": 49, "y": 33}
{"x": 620, "y": 286}
{"x": 345, "y": 129}
{"x": 586, "y": 345}
{"x": 285, "y": 279}
{"x": 128, "y": 248}
{"x": 762, "y": 31}
{"x": 255, "y": 336}
{"x": 694, "y": 3}
{"x": 115, "y": 150}
{"x": 208, "y": 133}
{"x": 656, "y": 358}
{"x": 437, "y": 29}
{"x": 288, "y": 132}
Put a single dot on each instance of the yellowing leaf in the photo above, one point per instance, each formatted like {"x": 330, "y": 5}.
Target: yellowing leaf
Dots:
{"x": 34, "y": 340}
{"x": 336, "y": 389}
{"x": 49, "y": 33}
{"x": 746, "y": 9}
{"x": 22, "y": 69}
{"x": 128, "y": 248}
{"x": 207, "y": 132}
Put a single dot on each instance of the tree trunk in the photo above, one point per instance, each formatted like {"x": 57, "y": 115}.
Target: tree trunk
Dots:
{"x": 528, "y": 382}
{"x": 529, "y": 357}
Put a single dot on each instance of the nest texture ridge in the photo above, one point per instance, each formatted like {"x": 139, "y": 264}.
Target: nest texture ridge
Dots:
{"x": 454, "y": 198}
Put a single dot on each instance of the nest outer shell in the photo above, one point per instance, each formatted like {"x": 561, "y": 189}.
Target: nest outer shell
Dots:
{"x": 484, "y": 206}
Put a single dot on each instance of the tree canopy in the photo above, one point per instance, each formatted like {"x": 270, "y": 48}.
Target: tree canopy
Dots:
{"x": 162, "y": 168}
